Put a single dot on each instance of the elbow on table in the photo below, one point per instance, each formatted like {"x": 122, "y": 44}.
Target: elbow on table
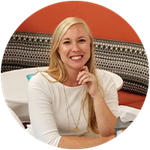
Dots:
{"x": 107, "y": 133}
{"x": 108, "y": 129}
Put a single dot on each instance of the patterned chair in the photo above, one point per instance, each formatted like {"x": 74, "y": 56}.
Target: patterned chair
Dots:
{"x": 127, "y": 59}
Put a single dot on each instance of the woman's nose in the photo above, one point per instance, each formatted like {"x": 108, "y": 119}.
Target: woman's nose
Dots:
{"x": 75, "y": 47}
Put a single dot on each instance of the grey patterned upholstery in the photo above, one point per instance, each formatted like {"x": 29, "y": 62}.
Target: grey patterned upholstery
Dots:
{"x": 126, "y": 59}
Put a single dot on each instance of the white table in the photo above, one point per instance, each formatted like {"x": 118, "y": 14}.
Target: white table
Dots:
{"x": 14, "y": 86}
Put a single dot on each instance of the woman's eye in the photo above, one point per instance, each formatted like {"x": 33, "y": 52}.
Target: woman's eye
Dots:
{"x": 82, "y": 40}
{"x": 66, "y": 42}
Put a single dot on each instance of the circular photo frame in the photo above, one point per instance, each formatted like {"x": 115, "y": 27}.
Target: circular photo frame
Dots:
{"x": 118, "y": 51}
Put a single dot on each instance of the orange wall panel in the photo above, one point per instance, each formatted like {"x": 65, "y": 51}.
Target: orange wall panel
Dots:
{"x": 103, "y": 22}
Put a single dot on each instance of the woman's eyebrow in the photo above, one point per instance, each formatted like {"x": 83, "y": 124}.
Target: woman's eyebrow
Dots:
{"x": 65, "y": 39}
{"x": 81, "y": 37}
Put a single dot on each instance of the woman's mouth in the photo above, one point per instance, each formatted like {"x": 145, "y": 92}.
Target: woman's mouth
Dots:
{"x": 76, "y": 57}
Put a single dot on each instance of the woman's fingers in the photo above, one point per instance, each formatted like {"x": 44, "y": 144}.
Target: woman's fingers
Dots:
{"x": 84, "y": 70}
{"x": 84, "y": 76}
{"x": 88, "y": 80}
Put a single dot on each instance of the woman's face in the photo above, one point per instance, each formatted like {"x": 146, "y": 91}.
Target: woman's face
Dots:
{"x": 74, "y": 47}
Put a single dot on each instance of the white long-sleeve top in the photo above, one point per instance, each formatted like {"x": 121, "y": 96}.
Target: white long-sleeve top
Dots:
{"x": 49, "y": 113}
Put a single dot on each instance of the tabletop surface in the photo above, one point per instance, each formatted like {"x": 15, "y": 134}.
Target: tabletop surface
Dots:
{"x": 14, "y": 83}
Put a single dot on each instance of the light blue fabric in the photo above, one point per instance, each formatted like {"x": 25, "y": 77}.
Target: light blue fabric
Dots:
{"x": 29, "y": 76}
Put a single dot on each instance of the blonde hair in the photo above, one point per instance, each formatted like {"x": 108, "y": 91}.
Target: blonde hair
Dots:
{"x": 56, "y": 66}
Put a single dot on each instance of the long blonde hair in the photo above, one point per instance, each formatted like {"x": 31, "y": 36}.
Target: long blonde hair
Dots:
{"x": 56, "y": 66}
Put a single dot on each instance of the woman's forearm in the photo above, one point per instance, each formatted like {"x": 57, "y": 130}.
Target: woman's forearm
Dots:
{"x": 73, "y": 142}
{"x": 105, "y": 119}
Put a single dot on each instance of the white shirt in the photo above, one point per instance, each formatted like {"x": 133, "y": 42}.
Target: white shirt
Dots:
{"x": 49, "y": 113}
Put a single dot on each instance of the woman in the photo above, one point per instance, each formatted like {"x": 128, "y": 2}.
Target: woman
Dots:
{"x": 72, "y": 104}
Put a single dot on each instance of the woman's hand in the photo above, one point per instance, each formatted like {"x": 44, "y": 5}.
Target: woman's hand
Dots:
{"x": 88, "y": 80}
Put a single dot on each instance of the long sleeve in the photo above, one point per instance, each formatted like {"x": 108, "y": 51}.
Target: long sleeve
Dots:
{"x": 40, "y": 111}
{"x": 110, "y": 91}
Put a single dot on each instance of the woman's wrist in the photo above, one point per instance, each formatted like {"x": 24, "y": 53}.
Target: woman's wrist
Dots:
{"x": 97, "y": 96}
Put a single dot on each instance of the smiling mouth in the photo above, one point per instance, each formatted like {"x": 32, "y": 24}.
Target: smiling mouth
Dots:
{"x": 76, "y": 57}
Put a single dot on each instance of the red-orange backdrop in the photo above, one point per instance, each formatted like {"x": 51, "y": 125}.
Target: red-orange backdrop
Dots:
{"x": 103, "y": 22}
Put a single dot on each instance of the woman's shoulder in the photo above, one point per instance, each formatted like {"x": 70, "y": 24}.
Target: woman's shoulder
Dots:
{"x": 40, "y": 79}
{"x": 104, "y": 77}
{"x": 42, "y": 76}
{"x": 42, "y": 83}
{"x": 102, "y": 74}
